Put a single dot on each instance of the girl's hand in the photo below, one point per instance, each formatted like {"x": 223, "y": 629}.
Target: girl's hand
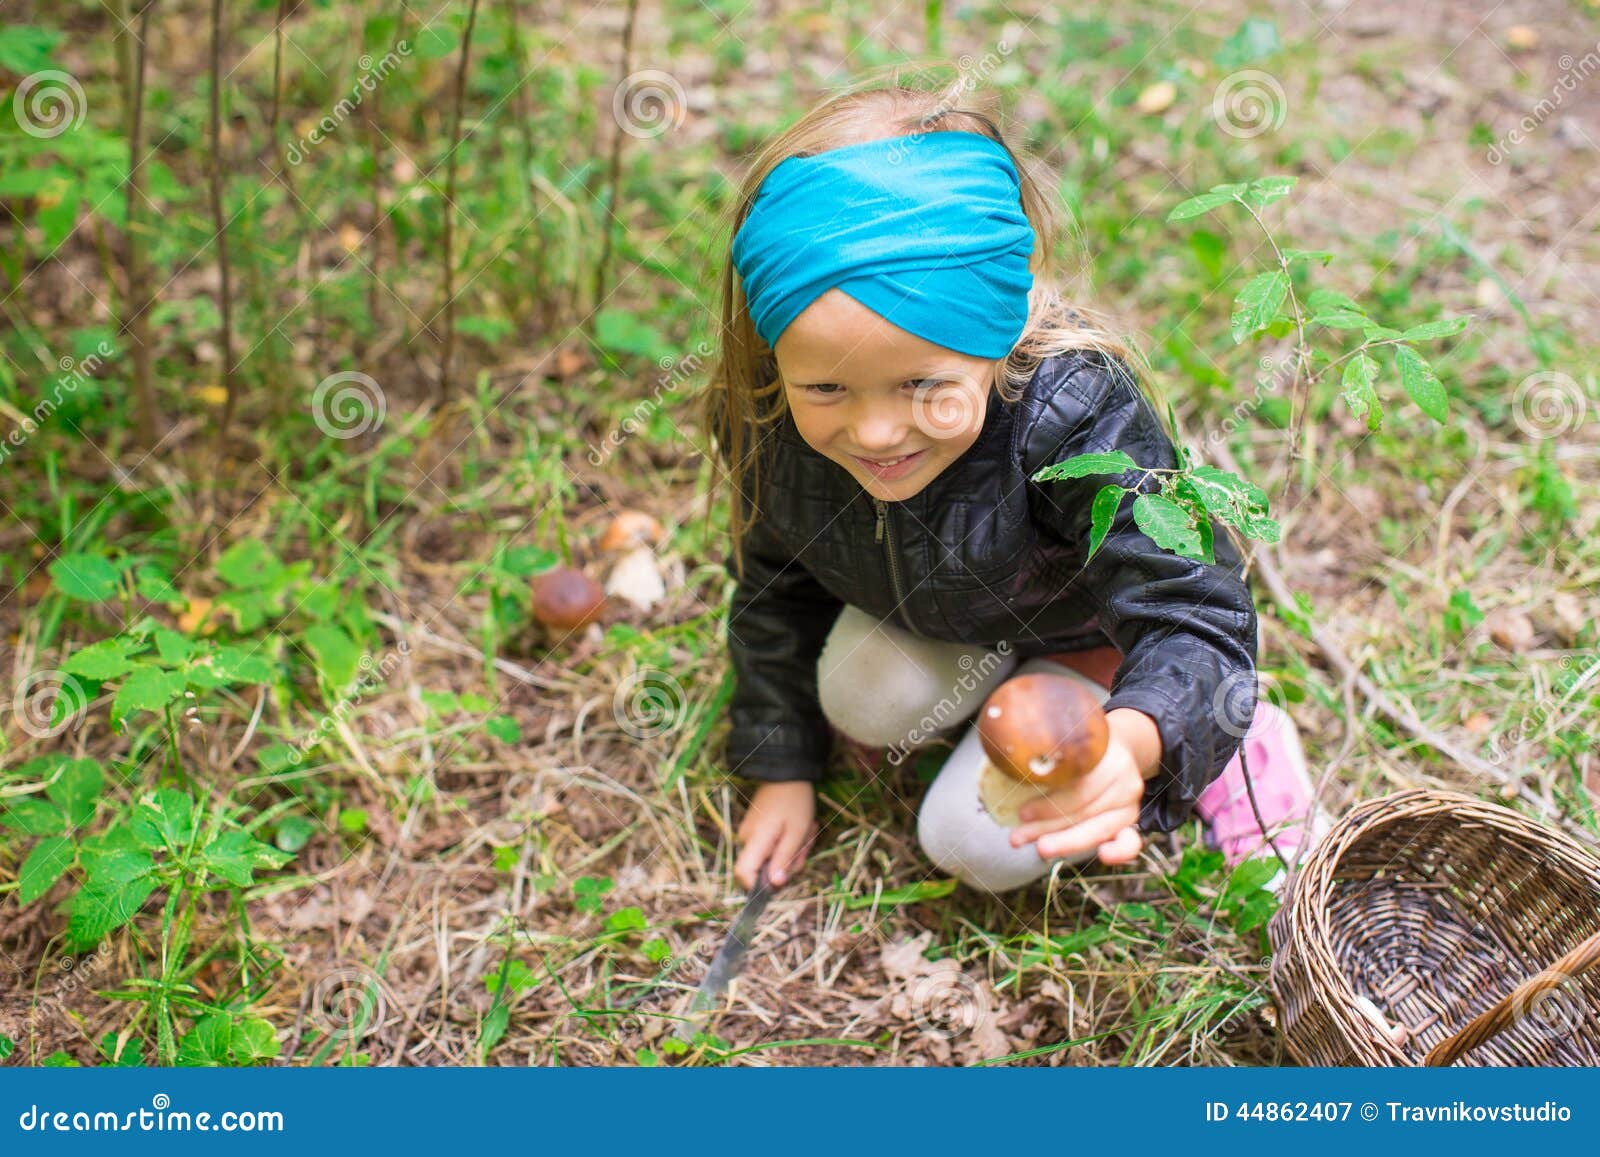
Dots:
{"x": 1099, "y": 811}
{"x": 777, "y": 830}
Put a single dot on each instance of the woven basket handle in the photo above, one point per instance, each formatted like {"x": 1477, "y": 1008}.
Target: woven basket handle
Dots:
{"x": 1490, "y": 1022}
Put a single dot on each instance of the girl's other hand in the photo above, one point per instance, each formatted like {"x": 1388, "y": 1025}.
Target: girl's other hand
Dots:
{"x": 777, "y": 830}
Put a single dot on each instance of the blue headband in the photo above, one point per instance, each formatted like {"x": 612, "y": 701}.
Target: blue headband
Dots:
{"x": 925, "y": 230}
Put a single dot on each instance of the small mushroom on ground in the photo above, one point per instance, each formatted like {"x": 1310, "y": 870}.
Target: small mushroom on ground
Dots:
{"x": 631, "y": 528}
{"x": 1039, "y": 732}
{"x": 566, "y": 599}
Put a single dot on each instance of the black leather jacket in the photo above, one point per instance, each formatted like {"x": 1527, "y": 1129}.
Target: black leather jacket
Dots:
{"x": 983, "y": 555}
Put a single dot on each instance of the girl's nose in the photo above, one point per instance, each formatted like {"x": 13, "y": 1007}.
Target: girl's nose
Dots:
{"x": 881, "y": 433}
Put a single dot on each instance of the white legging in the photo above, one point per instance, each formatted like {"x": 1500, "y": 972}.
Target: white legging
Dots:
{"x": 883, "y": 686}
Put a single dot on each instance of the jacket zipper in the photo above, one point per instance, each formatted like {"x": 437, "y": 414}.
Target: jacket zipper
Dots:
{"x": 885, "y": 534}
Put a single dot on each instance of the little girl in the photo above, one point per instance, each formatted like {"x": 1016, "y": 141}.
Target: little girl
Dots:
{"x": 896, "y": 363}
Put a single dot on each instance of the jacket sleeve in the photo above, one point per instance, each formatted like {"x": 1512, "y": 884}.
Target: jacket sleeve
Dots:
{"x": 1187, "y": 630}
{"x": 778, "y": 620}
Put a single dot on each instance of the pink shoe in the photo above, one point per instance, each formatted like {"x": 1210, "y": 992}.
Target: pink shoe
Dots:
{"x": 1283, "y": 793}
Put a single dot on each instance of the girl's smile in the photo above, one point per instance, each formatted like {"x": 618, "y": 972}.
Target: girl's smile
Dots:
{"x": 891, "y": 408}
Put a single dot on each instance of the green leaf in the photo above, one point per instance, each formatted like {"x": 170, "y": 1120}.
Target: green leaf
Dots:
{"x": 588, "y": 890}
{"x": 336, "y": 653}
{"x": 1293, "y": 255}
{"x": 905, "y": 894}
{"x": 146, "y": 689}
{"x": 1340, "y": 320}
{"x": 33, "y": 817}
{"x": 495, "y": 1022}
{"x": 231, "y": 664}
{"x": 527, "y": 561}
{"x": 88, "y": 578}
{"x": 1251, "y": 876}
{"x": 518, "y": 977}
{"x": 1081, "y": 465}
{"x": 1168, "y": 525}
{"x": 1205, "y": 202}
{"x": 1359, "y": 374}
{"x": 43, "y": 867}
{"x": 1258, "y": 303}
{"x": 104, "y": 906}
{"x": 155, "y": 585}
{"x": 1381, "y": 333}
{"x": 1416, "y": 375}
{"x": 1263, "y": 191}
{"x": 504, "y": 728}
{"x": 435, "y": 42}
{"x": 169, "y": 814}
{"x": 236, "y": 854}
{"x": 76, "y": 786}
{"x": 1234, "y": 500}
{"x": 293, "y": 833}
{"x": 1331, "y": 301}
{"x": 625, "y": 920}
{"x": 107, "y": 659}
{"x": 621, "y": 332}
{"x": 1252, "y": 40}
{"x": 173, "y": 647}
{"x": 27, "y": 48}
{"x": 114, "y": 866}
{"x": 249, "y": 565}
{"x": 1435, "y": 329}
{"x": 222, "y": 1039}
{"x": 1101, "y": 513}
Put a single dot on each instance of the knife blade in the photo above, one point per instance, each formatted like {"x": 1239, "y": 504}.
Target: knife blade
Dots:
{"x": 725, "y": 964}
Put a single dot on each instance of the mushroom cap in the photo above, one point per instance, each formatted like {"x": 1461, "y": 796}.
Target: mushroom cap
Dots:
{"x": 1043, "y": 729}
{"x": 631, "y": 528}
{"x": 566, "y": 599}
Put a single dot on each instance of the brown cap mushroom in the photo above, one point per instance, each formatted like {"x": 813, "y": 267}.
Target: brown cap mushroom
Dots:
{"x": 1043, "y": 729}
{"x": 631, "y": 528}
{"x": 566, "y": 599}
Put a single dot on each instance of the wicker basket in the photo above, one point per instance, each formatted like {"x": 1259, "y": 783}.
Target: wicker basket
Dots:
{"x": 1430, "y": 927}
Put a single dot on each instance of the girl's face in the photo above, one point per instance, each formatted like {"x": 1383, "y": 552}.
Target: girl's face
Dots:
{"x": 892, "y": 409}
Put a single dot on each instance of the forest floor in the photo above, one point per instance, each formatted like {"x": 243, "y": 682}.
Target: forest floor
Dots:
{"x": 584, "y": 872}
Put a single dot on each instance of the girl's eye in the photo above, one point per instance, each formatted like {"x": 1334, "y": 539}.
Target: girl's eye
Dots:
{"x": 824, "y": 388}
{"x": 925, "y": 383}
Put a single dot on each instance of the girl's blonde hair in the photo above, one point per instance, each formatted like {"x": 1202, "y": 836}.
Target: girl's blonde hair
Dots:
{"x": 744, "y": 396}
